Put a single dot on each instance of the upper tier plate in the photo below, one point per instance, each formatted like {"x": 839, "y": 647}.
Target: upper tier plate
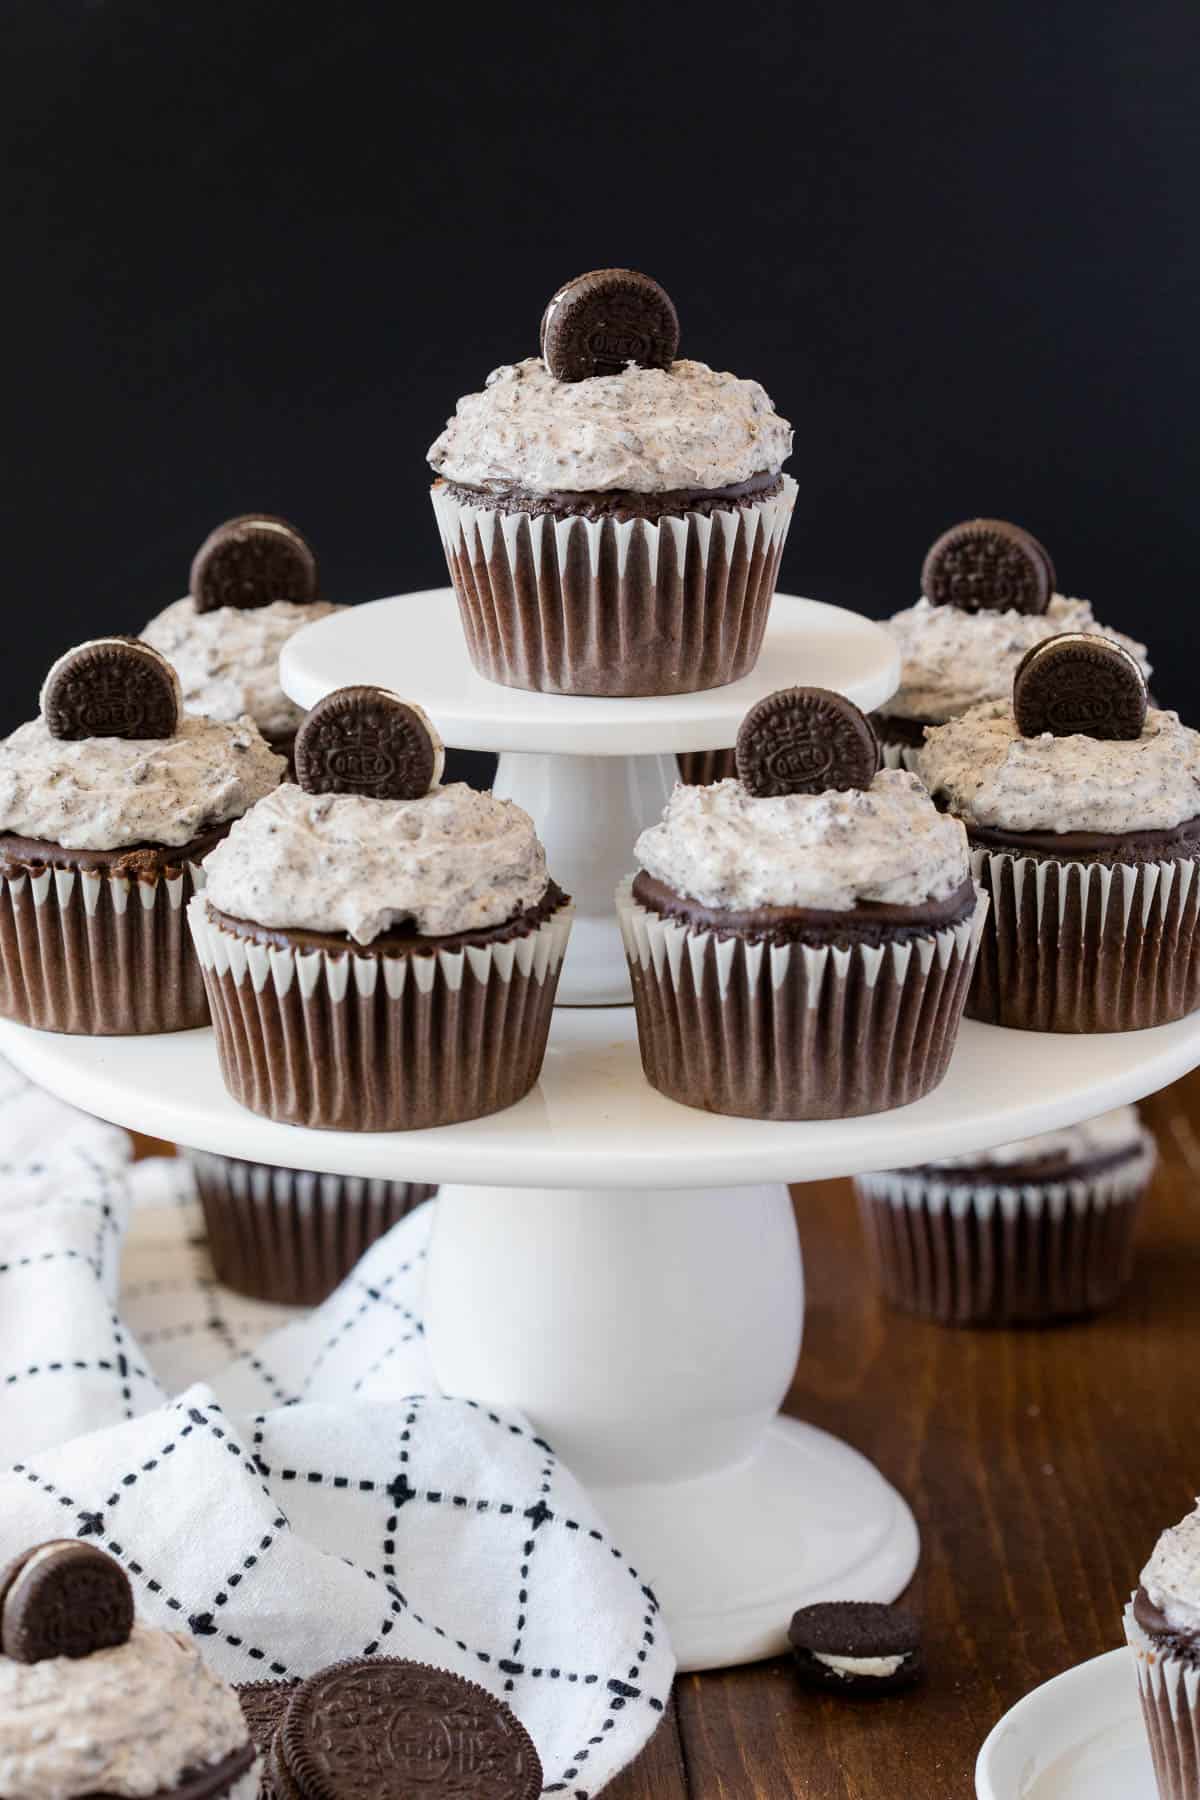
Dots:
{"x": 592, "y": 1120}
{"x": 414, "y": 644}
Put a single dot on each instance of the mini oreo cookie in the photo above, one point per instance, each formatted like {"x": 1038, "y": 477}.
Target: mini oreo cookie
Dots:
{"x": 249, "y": 561}
{"x": 114, "y": 687}
{"x": 63, "y": 1598}
{"x": 1079, "y": 683}
{"x": 365, "y": 740}
{"x": 382, "y": 1729}
{"x": 856, "y": 1647}
{"x": 988, "y": 565}
{"x": 600, "y": 322}
{"x": 805, "y": 740}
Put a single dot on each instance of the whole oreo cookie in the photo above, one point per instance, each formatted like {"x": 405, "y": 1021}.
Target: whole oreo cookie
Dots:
{"x": 63, "y": 1598}
{"x": 365, "y": 740}
{"x": 111, "y": 688}
{"x": 249, "y": 562}
{"x": 988, "y": 565}
{"x": 805, "y": 740}
{"x": 602, "y": 321}
{"x": 1078, "y": 683}
{"x": 856, "y": 1647}
{"x": 381, "y": 1729}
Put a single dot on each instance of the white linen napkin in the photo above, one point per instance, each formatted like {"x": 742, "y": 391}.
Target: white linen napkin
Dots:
{"x": 308, "y": 1493}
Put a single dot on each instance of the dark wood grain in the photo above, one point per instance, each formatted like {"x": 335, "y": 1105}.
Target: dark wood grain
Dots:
{"x": 1041, "y": 1466}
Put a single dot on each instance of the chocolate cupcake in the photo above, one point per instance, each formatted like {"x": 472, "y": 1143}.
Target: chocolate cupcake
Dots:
{"x": 94, "y": 1706}
{"x": 253, "y": 586}
{"x": 988, "y": 595}
{"x": 800, "y": 939}
{"x": 613, "y": 516}
{"x": 381, "y": 952}
{"x": 1025, "y": 1234}
{"x": 291, "y": 1235}
{"x": 109, "y": 803}
{"x": 1162, "y": 1628}
{"x": 1087, "y": 844}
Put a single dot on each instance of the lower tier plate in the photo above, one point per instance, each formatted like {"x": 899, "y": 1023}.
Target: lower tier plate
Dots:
{"x": 593, "y": 1120}
{"x": 1078, "y": 1737}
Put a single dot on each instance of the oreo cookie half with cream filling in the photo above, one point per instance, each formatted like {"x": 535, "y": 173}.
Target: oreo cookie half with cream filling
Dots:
{"x": 613, "y": 514}
{"x": 856, "y": 1647}
{"x": 803, "y": 952}
{"x": 109, "y": 802}
{"x": 1162, "y": 1629}
{"x": 344, "y": 925}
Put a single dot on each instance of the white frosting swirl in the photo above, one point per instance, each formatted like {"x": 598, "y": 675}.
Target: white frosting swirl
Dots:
{"x": 723, "y": 847}
{"x": 645, "y": 431}
{"x": 988, "y": 774}
{"x": 109, "y": 793}
{"x": 953, "y": 659}
{"x": 1172, "y": 1576}
{"x": 1120, "y": 1129}
{"x": 455, "y": 860}
{"x": 228, "y": 659}
{"x": 125, "y": 1721}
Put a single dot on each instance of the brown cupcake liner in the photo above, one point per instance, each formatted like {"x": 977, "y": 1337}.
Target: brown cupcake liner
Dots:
{"x": 794, "y": 1031}
{"x": 292, "y": 1235}
{"x": 1169, "y": 1689}
{"x": 348, "y": 1041}
{"x": 1003, "y": 1254}
{"x": 700, "y": 768}
{"x": 1075, "y": 946}
{"x": 616, "y": 607}
{"x": 98, "y": 954}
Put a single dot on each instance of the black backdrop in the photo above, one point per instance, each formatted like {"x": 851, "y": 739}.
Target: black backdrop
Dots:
{"x": 255, "y": 252}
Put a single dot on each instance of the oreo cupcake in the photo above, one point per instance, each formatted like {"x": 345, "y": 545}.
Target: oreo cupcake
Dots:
{"x": 987, "y": 596}
{"x": 1162, "y": 1628}
{"x": 1082, "y": 806}
{"x": 613, "y": 515}
{"x": 800, "y": 939}
{"x": 109, "y": 802}
{"x": 1025, "y": 1234}
{"x": 381, "y": 952}
{"x": 94, "y": 1705}
{"x": 253, "y": 586}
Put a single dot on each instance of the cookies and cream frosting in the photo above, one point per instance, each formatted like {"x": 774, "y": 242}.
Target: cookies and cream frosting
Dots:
{"x": 454, "y": 860}
{"x": 981, "y": 767}
{"x": 1120, "y": 1129}
{"x": 951, "y": 659}
{"x": 228, "y": 659}
{"x": 111, "y": 793}
{"x": 126, "y": 1721}
{"x": 1172, "y": 1576}
{"x": 644, "y": 431}
{"x": 725, "y": 847}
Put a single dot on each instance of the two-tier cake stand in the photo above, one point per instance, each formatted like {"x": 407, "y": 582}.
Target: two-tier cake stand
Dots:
{"x": 623, "y": 1269}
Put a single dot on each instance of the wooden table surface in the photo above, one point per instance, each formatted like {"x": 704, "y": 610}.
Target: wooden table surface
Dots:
{"x": 1041, "y": 1467}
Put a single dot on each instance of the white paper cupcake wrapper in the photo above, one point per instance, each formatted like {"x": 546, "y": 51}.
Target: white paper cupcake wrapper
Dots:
{"x": 900, "y": 756}
{"x": 1169, "y": 1689}
{"x": 793, "y": 1031}
{"x": 567, "y": 605}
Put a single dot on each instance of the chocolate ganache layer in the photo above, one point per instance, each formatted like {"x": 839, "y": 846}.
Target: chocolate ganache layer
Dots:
{"x": 871, "y": 922}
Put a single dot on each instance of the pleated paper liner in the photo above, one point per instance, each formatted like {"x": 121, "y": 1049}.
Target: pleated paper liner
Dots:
{"x": 354, "y": 1041}
{"x": 900, "y": 740}
{"x": 1026, "y": 1253}
{"x": 1169, "y": 1689}
{"x": 617, "y": 607}
{"x": 700, "y": 768}
{"x": 291, "y": 1235}
{"x": 1076, "y": 946}
{"x": 792, "y": 1031}
{"x": 94, "y": 953}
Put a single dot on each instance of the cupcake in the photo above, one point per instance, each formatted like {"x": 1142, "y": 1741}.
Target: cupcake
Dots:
{"x": 290, "y": 1235}
{"x": 109, "y": 802}
{"x": 1082, "y": 806}
{"x": 1034, "y": 1231}
{"x": 381, "y": 952}
{"x": 612, "y": 515}
{"x": 988, "y": 595}
{"x": 95, "y": 1705}
{"x": 1162, "y": 1628}
{"x": 253, "y": 586}
{"x": 800, "y": 939}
